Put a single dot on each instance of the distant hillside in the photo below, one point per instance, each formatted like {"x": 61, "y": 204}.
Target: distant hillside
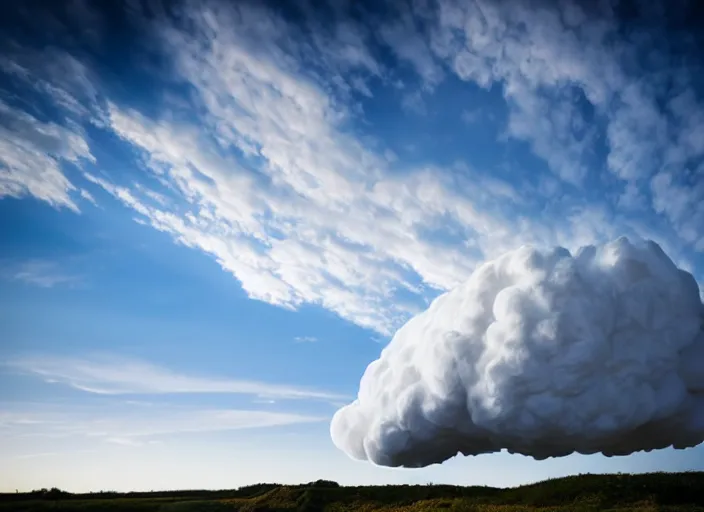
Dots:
{"x": 621, "y": 492}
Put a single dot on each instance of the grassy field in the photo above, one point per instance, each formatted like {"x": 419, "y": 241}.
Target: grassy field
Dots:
{"x": 647, "y": 492}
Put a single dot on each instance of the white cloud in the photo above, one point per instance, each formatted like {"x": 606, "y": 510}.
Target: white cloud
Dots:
{"x": 413, "y": 103}
{"x": 58, "y": 75}
{"x": 556, "y": 64}
{"x": 542, "y": 353}
{"x": 129, "y": 426}
{"x": 300, "y": 210}
{"x": 118, "y": 376}
{"x": 299, "y": 231}
{"x": 410, "y": 47}
{"x": 42, "y": 273}
{"x": 32, "y": 153}
{"x": 264, "y": 172}
{"x": 682, "y": 202}
{"x": 88, "y": 197}
{"x": 543, "y": 66}
{"x": 305, "y": 339}
{"x": 555, "y": 128}
{"x": 34, "y": 150}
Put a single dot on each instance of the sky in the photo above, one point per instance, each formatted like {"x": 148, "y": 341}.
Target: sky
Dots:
{"x": 215, "y": 214}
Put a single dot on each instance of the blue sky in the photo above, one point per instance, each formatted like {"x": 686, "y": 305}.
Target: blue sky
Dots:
{"x": 213, "y": 215}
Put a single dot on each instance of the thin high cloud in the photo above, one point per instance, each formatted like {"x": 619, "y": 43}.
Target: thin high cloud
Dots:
{"x": 268, "y": 171}
{"x": 37, "y": 272}
{"x": 305, "y": 339}
{"x": 574, "y": 76}
{"x": 134, "y": 426}
{"x": 32, "y": 155}
{"x": 120, "y": 376}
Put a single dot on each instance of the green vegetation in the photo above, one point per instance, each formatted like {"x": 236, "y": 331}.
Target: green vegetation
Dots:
{"x": 667, "y": 492}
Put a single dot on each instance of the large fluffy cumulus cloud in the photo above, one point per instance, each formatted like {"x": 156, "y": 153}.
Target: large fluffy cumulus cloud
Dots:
{"x": 543, "y": 353}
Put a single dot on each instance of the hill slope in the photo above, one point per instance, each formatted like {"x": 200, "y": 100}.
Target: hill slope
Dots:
{"x": 646, "y": 492}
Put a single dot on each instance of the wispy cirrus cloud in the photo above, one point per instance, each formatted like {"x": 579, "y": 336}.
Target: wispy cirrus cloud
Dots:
{"x": 134, "y": 426}
{"x": 114, "y": 375}
{"x": 304, "y": 212}
{"x": 38, "y": 272}
{"x": 32, "y": 153}
{"x": 37, "y": 144}
{"x": 271, "y": 170}
{"x": 305, "y": 339}
{"x": 585, "y": 97}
